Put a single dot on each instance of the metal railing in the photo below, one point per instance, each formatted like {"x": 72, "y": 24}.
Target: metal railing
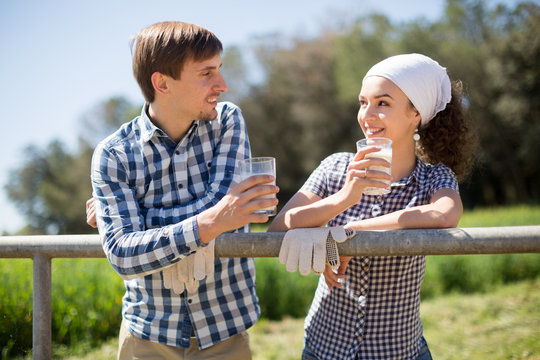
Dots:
{"x": 42, "y": 249}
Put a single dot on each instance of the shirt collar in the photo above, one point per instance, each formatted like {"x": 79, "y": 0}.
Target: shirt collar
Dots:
{"x": 418, "y": 174}
{"x": 149, "y": 129}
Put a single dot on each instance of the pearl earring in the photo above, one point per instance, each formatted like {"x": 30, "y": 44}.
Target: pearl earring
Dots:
{"x": 416, "y": 135}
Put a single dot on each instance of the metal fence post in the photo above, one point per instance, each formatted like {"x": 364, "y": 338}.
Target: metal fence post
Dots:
{"x": 41, "y": 325}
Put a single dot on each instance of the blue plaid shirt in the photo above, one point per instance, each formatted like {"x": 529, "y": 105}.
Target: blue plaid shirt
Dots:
{"x": 149, "y": 190}
{"x": 376, "y": 314}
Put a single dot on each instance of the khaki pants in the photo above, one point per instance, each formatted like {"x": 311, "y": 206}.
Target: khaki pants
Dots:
{"x": 131, "y": 347}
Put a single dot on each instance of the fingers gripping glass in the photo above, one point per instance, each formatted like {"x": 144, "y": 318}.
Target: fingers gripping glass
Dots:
{"x": 385, "y": 153}
{"x": 260, "y": 166}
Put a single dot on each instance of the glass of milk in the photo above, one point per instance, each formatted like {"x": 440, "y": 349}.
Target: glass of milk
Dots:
{"x": 259, "y": 166}
{"x": 385, "y": 153}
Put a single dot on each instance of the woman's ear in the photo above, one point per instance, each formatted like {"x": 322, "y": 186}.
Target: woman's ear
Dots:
{"x": 159, "y": 82}
{"x": 417, "y": 118}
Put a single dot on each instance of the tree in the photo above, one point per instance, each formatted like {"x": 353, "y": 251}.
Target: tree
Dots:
{"x": 295, "y": 114}
{"x": 495, "y": 53}
{"x": 51, "y": 190}
{"x": 105, "y": 118}
{"x": 235, "y": 74}
{"x": 305, "y": 107}
{"x": 52, "y": 186}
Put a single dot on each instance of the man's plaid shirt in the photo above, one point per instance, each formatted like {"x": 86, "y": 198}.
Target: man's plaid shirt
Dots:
{"x": 149, "y": 190}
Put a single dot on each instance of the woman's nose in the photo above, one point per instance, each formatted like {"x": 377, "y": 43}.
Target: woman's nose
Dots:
{"x": 367, "y": 113}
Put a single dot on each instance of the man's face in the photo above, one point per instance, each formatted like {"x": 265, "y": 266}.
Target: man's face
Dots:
{"x": 195, "y": 94}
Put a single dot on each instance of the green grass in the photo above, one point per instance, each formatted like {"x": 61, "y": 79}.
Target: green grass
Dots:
{"x": 86, "y": 303}
{"x": 500, "y": 325}
{"x": 86, "y": 312}
{"x": 503, "y": 324}
{"x": 502, "y": 216}
{"x": 482, "y": 273}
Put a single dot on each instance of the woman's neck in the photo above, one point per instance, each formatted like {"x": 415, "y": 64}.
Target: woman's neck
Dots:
{"x": 403, "y": 162}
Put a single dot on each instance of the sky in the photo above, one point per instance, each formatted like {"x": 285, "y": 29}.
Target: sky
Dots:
{"x": 59, "y": 59}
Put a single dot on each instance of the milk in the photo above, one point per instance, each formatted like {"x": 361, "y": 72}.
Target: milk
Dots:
{"x": 385, "y": 154}
{"x": 260, "y": 166}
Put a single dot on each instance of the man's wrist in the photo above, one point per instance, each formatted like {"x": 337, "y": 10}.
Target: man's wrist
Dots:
{"x": 208, "y": 225}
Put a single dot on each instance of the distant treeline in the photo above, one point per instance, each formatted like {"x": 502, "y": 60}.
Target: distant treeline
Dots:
{"x": 305, "y": 107}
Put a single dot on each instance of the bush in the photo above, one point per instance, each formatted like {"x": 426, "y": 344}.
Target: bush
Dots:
{"x": 282, "y": 293}
{"x": 477, "y": 273}
{"x": 86, "y": 303}
{"x": 15, "y": 307}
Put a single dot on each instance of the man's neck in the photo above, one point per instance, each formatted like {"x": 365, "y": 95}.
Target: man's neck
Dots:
{"x": 175, "y": 127}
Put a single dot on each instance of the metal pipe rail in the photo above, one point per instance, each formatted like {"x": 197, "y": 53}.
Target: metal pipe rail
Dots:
{"x": 494, "y": 240}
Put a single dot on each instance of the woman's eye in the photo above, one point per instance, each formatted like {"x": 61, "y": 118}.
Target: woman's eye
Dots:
{"x": 383, "y": 103}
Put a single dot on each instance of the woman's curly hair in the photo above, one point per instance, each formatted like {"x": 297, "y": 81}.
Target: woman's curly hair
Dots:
{"x": 448, "y": 137}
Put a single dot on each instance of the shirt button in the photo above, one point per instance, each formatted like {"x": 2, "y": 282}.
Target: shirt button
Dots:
{"x": 177, "y": 152}
{"x": 366, "y": 268}
{"x": 359, "y": 338}
{"x": 379, "y": 198}
{"x": 189, "y": 301}
{"x": 180, "y": 186}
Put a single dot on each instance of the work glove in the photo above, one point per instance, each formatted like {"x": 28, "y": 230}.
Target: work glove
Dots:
{"x": 186, "y": 273}
{"x": 309, "y": 249}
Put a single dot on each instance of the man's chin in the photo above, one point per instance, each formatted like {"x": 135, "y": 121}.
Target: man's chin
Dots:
{"x": 207, "y": 116}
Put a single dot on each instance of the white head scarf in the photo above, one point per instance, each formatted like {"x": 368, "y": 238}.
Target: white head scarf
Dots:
{"x": 422, "y": 79}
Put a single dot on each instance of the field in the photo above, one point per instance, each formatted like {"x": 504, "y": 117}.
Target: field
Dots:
{"x": 500, "y": 325}
{"x": 481, "y": 306}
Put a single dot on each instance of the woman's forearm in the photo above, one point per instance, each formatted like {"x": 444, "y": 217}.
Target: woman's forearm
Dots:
{"x": 308, "y": 210}
{"x": 444, "y": 212}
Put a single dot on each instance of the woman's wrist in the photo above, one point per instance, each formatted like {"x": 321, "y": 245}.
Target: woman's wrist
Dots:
{"x": 343, "y": 200}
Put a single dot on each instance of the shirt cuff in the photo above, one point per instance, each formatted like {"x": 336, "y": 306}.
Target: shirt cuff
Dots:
{"x": 184, "y": 237}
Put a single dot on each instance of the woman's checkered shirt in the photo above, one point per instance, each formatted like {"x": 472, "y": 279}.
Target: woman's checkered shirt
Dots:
{"x": 376, "y": 313}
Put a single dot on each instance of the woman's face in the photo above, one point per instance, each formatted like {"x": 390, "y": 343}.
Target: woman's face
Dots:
{"x": 385, "y": 111}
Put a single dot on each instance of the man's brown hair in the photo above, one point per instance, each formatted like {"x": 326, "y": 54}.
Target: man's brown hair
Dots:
{"x": 165, "y": 47}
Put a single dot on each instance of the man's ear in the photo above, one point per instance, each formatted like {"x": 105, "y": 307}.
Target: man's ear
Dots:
{"x": 159, "y": 82}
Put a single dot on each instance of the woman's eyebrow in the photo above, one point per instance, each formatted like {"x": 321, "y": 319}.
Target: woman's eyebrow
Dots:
{"x": 377, "y": 96}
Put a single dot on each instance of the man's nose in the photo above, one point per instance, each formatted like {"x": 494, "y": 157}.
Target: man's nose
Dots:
{"x": 221, "y": 85}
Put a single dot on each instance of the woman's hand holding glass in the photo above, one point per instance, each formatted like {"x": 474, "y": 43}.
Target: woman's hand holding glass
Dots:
{"x": 359, "y": 176}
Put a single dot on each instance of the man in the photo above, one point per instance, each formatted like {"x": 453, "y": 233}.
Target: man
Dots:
{"x": 163, "y": 191}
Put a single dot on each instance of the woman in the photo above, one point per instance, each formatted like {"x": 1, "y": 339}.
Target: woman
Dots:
{"x": 370, "y": 308}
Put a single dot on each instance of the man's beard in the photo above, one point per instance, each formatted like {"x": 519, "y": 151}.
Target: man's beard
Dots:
{"x": 206, "y": 116}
